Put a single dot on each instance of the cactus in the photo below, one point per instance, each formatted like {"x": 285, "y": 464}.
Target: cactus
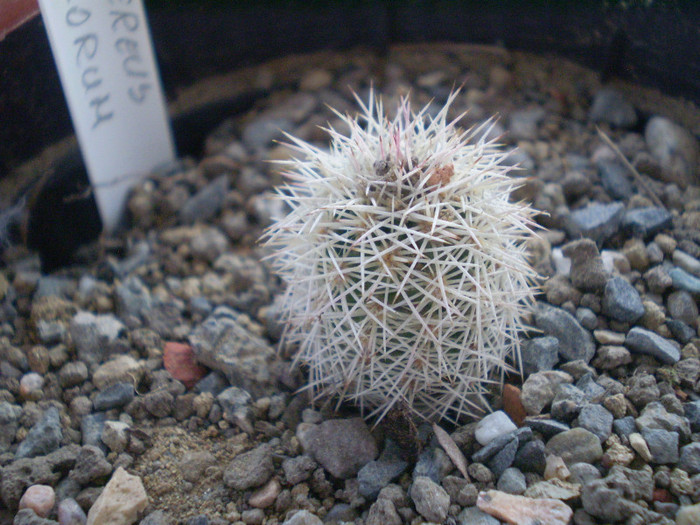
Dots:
{"x": 405, "y": 263}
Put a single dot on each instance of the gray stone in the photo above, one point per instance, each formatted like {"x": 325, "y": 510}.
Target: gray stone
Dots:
{"x": 341, "y": 446}
{"x": 612, "y": 498}
{"x": 583, "y": 472}
{"x": 686, "y": 262}
{"x": 642, "y": 341}
{"x": 624, "y": 426}
{"x": 224, "y": 343}
{"x": 646, "y": 222}
{"x": 132, "y": 297}
{"x": 157, "y": 517}
{"x": 575, "y": 446}
{"x": 540, "y": 353}
{"x": 262, "y": 131}
{"x": 237, "y": 405}
{"x": 682, "y": 280}
{"x": 433, "y": 463}
{"x": 568, "y": 401}
{"x": 658, "y": 280}
{"x": 475, "y": 516}
{"x": 91, "y": 428}
{"x": 590, "y": 387}
{"x": 575, "y": 342}
{"x": 674, "y": 148}
{"x": 90, "y": 466}
{"x": 92, "y": 335}
{"x": 539, "y": 389}
{"x": 587, "y": 318}
{"x": 70, "y": 513}
{"x": 611, "y": 357}
{"x": 430, "y": 499}
{"x": 596, "y": 419}
{"x": 303, "y": 517}
{"x": 503, "y": 458}
{"x": 299, "y": 469}
{"x": 72, "y": 374}
{"x": 596, "y": 221}
{"x": 662, "y": 444}
{"x": 44, "y": 437}
{"x": 9, "y": 422}
{"x": 615, "y": 180}
{"x": 621, "y": 301}
{"x": 642, "y": 390}
{"x": 531, "y": 457}
{"x": 115, "y": 396}
{"x": 250, "y": 469}
{"x": 512, "y": 481}
{"x": 655, "y": 416}
{"x": 681, "y": 332}
{"x": 611, "y": 107}
{"x": 587, "y": 273}
{"x": 383, "y": 512}
{"x": 29, "y": 517}
{"x": 682, "y": 306}
{"x": 523, "y": 123}
{"x": 206, "y": 203}
{"x": 692, "y": 412}
{"x": 690, "y": 458}
{"x": 194, "y": 464}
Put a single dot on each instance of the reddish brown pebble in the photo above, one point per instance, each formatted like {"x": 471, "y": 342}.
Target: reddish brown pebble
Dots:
{"x": 662, "y": 495}
{"x": 512, "y": 404}
{"x": 39, "y": 498}
{"x": 179, "y": 360}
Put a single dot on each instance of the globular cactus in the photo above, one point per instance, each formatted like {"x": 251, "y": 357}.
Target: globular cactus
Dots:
{"x": 405, "y": 263}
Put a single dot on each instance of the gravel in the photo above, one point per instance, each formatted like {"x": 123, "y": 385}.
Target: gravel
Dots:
{"x": 611, "y": 365}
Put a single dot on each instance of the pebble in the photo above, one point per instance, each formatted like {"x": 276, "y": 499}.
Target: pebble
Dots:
{"x": 610, "y": 357}
{"x": 39, "y": 498}
{"x": 540, "y": 353}
{"x": 682, "y": 307}
{"x": 303, "y": 517}
{"x": 531, "y": 457}
{"x": 662, "y": 444}
{"x": 475, "y": 516}
{"x": 597, "y": 420}
{"x": 567, "y": 403}
{"x": 115, "y": 396}
{"x": 690, "y": 458}
{"x": 341, "y": 446}
{"x": 575, "y": 446}
{"x": 265, "y": 495}
{"x": 72, "y": 374}
{"x": 654, "y": 415}
{"x": 686, "y": 262}
{"x": 377, "y": 474}
{"x": 430, "y": 499}
{"x": 518, "y": 509}
{"x": 621, "y": 301}
{"x": 512, "y": 481}
{"x": 44, "y": 437}
{"x": 539, "y": 389}
{"x": 121, "y": 369}
{"x": 646, "y": 222}
{"x": 692, "y": 413}
{"x": 91, "y": 426}
{"x": 115, "y": 435}
{"x": 596, "y": 221}
{"x": 674, "y": 148}
{"x": 581, "y": 473}
{"x": 682, "y": 280}
{"x": 179, "y": 360}
{"x": 642, "y": 341}
{"x": 588, "y": 273}
{"x": 611, "y": 107}
{"x": 90, "y": 465}
{"x": 575, "y": 342}
{"x": 92, "y": 334}
{"x": 615, "y": 180}
{"x": 30, "y": 386}
{"x": 120, "y": 502}
{"x": 206, "y": 203}
{"x": 492, "y": 426}
{"x": 613, "y": 498}
{"x": 688, "y": 515}
{"x": 250, "y": 469}
{"x": 70, "y": 513}
{"x": 383, "y": 512}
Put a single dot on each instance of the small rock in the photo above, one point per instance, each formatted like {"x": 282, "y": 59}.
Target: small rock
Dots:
{"x": 575, "y": 342}
{"x": 115, "y": 396}
{"x": 44, "y": 437}
{"x": 662, "y": 444}
{"x": 121, "y": 501}
{"x": 121, "y": 369}
{"x": 611, "y": 357}
{"x": 520, "y": 509}
{"x": 377, "y": 474}
{"x": 674, "y": 148}
{"x": 575, "y": 446}
{"x": 539, "y": 389}
{"x": 70, "y": 513}
{"x": 646, "y": 222}
{"x": 493, "y": 425}
{"x": 597, "y": 420}
{"x": 655, "y": 415}
{"x": 613, "y": 498}
{"x": 303, "y": 517}
{"x": 554, "y": 489}
{"x": 206, "y": 203}
{"x": 556, "y": 468}
{"x": 686, "y": 262}
{"x": 657, "y": 279}
{"x": 265, "y": 495}
{"x": 92, "y": 335}
{"x": 583, "y": 472}
{"x": 610, "y": 106}
{"x": 615, "y": 180}
{"x": 512, "y": 481}
{"x": 430, "y": 499}
{"x": 72, "y": 373}
{"x": 250, "y": 469}
{"x": 682, "y": 306}
{"x": 540, "y": 353}
{"x": 30, "y": 386}
{"x": 597, "y": 221}
{"x": 90, "y": 465}
{"x": 587, "y": 271}
{"x": 682, "y": 280}
{"x": 39, "y": 498}
{"x": 179, "y": 360}
{"x": 531, "y": 457}
{"x": 29, "y": 517}
{"x": 341, "y": 446}
{"x": 688, "y": 515}
{"x": 383, "y": 512}
{"x": 115, "y": 435}
{"x": 647, "y": 342}
{"x": 621, "y": 301}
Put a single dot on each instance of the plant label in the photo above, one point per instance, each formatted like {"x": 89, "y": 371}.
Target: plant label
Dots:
{"x": 105, "y": 60}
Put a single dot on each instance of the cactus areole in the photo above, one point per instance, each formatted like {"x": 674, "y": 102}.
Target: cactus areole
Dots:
{"x": 405, "y": 263}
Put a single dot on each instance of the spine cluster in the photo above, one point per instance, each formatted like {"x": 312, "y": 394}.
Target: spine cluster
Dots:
{"x": 405, "y": 263}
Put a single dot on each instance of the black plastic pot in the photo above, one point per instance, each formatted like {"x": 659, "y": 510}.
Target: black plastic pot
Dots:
{"x": 653, "y": 43}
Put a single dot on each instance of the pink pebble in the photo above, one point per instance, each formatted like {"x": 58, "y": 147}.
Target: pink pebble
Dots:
{"x": 39, "y": 498}
{"x": 70, "y": 513}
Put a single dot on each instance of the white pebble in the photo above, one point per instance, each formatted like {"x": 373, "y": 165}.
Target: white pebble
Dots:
{"x": 39, "y": 498}
{"x": 492, "y": 426}
{"x": 30, "y": 385}
{"x": 562, "y": 265}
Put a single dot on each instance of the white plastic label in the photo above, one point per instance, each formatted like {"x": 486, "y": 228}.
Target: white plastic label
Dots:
{"x": 105, "y": 59}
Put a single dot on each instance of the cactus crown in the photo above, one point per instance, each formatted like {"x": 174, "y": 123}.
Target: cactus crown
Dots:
{"x": 405, "y": 263}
